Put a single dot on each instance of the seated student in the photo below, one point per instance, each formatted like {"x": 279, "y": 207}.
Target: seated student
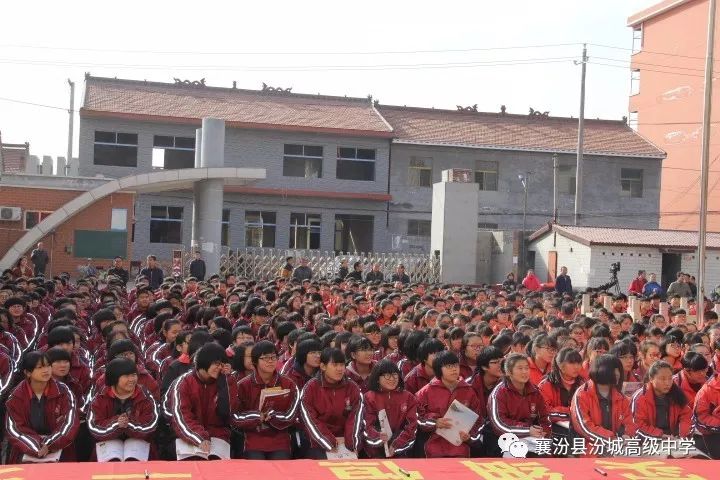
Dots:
{"x": 125, "y": 348}
{"x": 202, "y": 399}
{"x": 331, "y": 407}
{"x": 266, "y": 427}
{"x": 423, "y": 373}
{"x": 649, "y": 354}
{"x": 626, "y": 352}
{"x": 408, "y": 350}
{"x": 386, "y": 392}
{"x": 123, "y": 408}
{"x": 706, "y": 417}
{"x": 183, "y": 363}
{"x": 596, "y": 346}
{"x": 541, "y": 352}
{"x": 306, "y": 361}
{"x": 180, "y": 347}
{"x": 435, "y": 398}
{"x": 156, "y": 353}
{"x": 671, "y": 351}
{"x": 42, "y": 415}
{"x": 559, "y": 386}
{"x": 692, "y": 376}
{"x": 516, "y": 405}
{"x": 660, "y": 409}
{"x": 60, "y": 365}
{"x": 359, "y": 354}
{"x": 64, "y": 338}
{"x": 599, "y": 411}
{"x": 471, "y": 346}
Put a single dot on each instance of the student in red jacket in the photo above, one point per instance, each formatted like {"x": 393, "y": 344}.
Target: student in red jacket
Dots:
{"x": 472, "y": 344}
{"x": 626, "y": 352}
{"x": 599, "y": 411}
{"x": 41, "y": 414}
{"x": 125, "y": 348}
{"x": 692, "y": 376}
{"x": 306, "y": 363}
{"x": 516, "y": 405}
{"x": 123, "y": 408}
{"x": 386, "y": 392}
{"x": 266, "y": 427}
{"x": 423, "y": 373}
{"x": 331, "y": 407}
{"x": 542, "y": 350}
{"x": 202, "y": 399}
{"x": 158, "y": 352}
{"x": 559, "y": 386}
{"x": 435, "y": 398}
{"x": 706, "y": 417}
{"x": 359, "y": 354}
{"x": 660, "y": 409}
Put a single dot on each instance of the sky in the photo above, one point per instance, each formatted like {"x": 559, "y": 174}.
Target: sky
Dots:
{"x": 420, "y": 53}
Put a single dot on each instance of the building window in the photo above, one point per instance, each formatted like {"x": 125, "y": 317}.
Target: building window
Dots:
{"x": 486, "y": 175}
{"x": 303, "y": 161}
{"x": 637, "y": 39}
{"x": 225, "y": 232}
{"x": 118, "y": 220}
{"x": 633, "y": 120}
{"x": 166, "y": 224}
{"x": 260, "y": 229}
{"x": 355, "y": 164}
{"x": 420, "y": 172}
{"x": 634, "y": 82}
{"x": 566, "y": 179}
{"x": 487, "y": 226}
{"x": 116, "y": 149}
{"x": 170, "y": 153}
{"x": 631, "y": 182}
{"x": 419, "y": 228}
{"x": 33, "y": 217}
{"x": 304, "y": 231}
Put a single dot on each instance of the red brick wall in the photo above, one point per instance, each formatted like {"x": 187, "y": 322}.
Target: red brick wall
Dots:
{"x": 95, "y": 217}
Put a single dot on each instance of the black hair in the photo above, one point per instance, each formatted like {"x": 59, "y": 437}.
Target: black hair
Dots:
{"x": 247, "y": 329}
{"x": 541, "y": 340}
{"x": 60, "y": 335}
{"x": 31, "y": 359}
{"x": 222, "y": 337}
{"x": 513, "y": 360}
{"x": 502, "y": 342}
{"x": 261, "y": 348}
{"x": 209, "y": 354}
{"x": 694, "y": 361}
{"x": 602, "y": 370}
{"x": 197, "y": 340}
{"x": 387, "y": 333}
{"x": 340, "y": 338}
{"x": 485, "y": 356}
{"x": 565, "y": 355}
{"x": 412, "y": 342}
{"x": 57, "y": 354}
{"x": 381, "y": 368}
{"x": 284, "y": 329}
{"x": 333, "y": 355}
{"x": 237, "y": 363}
{"x": 676, "y": 395}
{"x": 428, "y": 347}
{"x": 443, "y": 359}
{"x": 305, "y": 347}
{"x": 116, "y": 368}
{"x": 121, "y": 346}
{"x": 356, "y": 344}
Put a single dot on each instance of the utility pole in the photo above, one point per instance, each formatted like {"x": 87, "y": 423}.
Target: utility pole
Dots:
{"x": 555, "y": 187}
{"x": 705, "y": 162}
{"x": 71, "y": 114}
{"x": 581, "y": 133}
{"x": 521, "y": 262}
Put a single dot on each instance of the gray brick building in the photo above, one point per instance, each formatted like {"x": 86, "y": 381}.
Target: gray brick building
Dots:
{"x": 346, "y": 174}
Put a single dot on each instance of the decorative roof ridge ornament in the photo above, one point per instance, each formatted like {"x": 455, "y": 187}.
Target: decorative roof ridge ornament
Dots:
{"x": 472, "y": 108}
{"x": 268, "y": 89}
{"x": 190, "y": 83}
{"x": 538, "y": 114}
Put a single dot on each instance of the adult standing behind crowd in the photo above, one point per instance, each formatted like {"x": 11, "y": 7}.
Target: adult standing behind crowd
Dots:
{"x": 679, "y": 287}
{"x": 153, "y": 272}
{"x": 287, "y": 269}
{"x": 638, "y": 283}
{"x": 303, "y": 271}
{"x": 356, "y": 274}
{"x": 39, "y": 258}
{"x": 197, "y": 267}
{"x": 375, "y": 275}
{"x": 652, "y": 287}
{"x": 400, "y": 275}
{"x": 118, "y": 270}
{"x": 563, "y": 284}
{"x": 531, "y": 282}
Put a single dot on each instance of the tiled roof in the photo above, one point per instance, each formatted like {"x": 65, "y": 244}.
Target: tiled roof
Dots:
{"x": 514, "y": 132}
{"x": 630, "y": 237}
{"x": 248, "y": 108}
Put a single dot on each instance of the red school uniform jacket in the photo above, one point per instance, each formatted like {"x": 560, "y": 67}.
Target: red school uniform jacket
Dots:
{"x": 417, "y": 379}
{"x": 706, "y": 415}
{"x": 642, "y": 406}
{"x": 61, "y": 421}
{"x": 331, "y": 411}
{"x": 680, "y": 379}
{"x": 557, "y": 399}
{"x": 536, "y": 375}
{"x": 513, "y": 412}
{"x": 201, "y": 410}
{"x": 106, "y": 408}
{"x": 587, "y": 417}
{"x": 144, "y": 379}
{"x": 401, "y": 409}
{"x": 434, "y": 399}
{"x": 352, "y": 373}
{"x": 273, "y": 435}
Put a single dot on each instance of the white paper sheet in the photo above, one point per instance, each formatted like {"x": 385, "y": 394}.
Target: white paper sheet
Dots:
{"x": 462, "y": 419}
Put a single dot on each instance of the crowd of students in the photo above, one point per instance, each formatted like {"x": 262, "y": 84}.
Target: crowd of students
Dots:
{"x": 91, "y": 361}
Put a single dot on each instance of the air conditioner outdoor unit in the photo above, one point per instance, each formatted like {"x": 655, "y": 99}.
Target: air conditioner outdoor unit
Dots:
{"x": 10, "y": 214}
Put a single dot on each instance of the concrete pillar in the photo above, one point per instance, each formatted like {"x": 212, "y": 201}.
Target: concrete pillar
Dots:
{"x": 209, "y": 194}
{"x": 32, "y": 165}
{"x": 195, "y": 236}
{"x": 61, "y": 167}
{"x": 47, "y": 165}
{"x": 73, "y": 167}
{"x": 454, "y": 231}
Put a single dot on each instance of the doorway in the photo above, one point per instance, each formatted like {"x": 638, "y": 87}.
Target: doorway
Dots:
{"x": 354, "y": 233}
{"x": 671, "y": 264}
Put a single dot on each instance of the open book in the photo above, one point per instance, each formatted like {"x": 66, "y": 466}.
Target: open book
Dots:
{"x": 219, "y": 449}
{"x": 53, "y": 457}
{"x": 462, "y": 419}
{"x": 342, "y": 453}
{"x": 118, "y": 450}
{"x": 385, "y": 428}
{"x": 274, "y": 398}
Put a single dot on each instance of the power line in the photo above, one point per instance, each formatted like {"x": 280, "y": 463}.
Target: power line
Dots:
{"x": 650, "y": 64}
{"x": 646, "y": 69}
{"x": 647, "y": 51}
{"x": 34, "y": 104}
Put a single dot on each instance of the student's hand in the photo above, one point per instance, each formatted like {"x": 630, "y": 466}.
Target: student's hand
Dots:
{"x": 391, "y": 451}
{"x": 227, "y": 369}
{"x": 44, "y": 450}
{"x": 536, "y": 431}
{"x": 464, "y": 436}
{"x": 205, "y": 446}
{"x": 384, "y": 437}
{"x": 123, "y": 420}
{"x": 443, "y": 423}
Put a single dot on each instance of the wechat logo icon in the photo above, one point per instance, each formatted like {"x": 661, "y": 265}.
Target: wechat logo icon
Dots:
{"x": 511, "y": 446}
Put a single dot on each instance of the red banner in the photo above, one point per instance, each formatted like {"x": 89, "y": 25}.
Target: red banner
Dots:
{"x": 414, "y": 469}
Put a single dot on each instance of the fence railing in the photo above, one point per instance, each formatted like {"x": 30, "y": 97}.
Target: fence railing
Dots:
{"x": 265, "y": 263}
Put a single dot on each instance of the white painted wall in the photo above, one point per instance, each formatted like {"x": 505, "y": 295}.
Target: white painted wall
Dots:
{"x": 575, "y": 256}
{"x": 712, "y": 268}
{"x": 631, "y": 260}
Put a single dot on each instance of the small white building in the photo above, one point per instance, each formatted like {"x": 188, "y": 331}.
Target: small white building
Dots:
{"x": 588, "y": 253}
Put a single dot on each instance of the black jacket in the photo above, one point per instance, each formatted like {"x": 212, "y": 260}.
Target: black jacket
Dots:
{"x": 197, "y": 269}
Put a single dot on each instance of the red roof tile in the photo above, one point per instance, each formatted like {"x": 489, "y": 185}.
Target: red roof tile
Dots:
{"x": 630, "y": 237}
{"x": 514, "y": 132}
{"x": 247, "y": 108}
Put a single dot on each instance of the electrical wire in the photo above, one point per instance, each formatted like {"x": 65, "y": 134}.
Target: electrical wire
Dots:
{"x": 626, "y": 67}
{"x": 35, "y": 104}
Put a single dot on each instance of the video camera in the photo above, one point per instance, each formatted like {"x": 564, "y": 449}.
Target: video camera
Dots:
{"x": 614, "y": 269}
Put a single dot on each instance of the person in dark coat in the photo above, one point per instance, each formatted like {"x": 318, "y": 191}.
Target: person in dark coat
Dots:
{"x": 563, "y": 284}
{"x": 39, "y": 258}
{"x": 197, "y": 267}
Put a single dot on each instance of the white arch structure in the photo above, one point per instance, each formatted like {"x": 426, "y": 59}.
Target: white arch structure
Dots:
{"x": 154, "y": 182}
